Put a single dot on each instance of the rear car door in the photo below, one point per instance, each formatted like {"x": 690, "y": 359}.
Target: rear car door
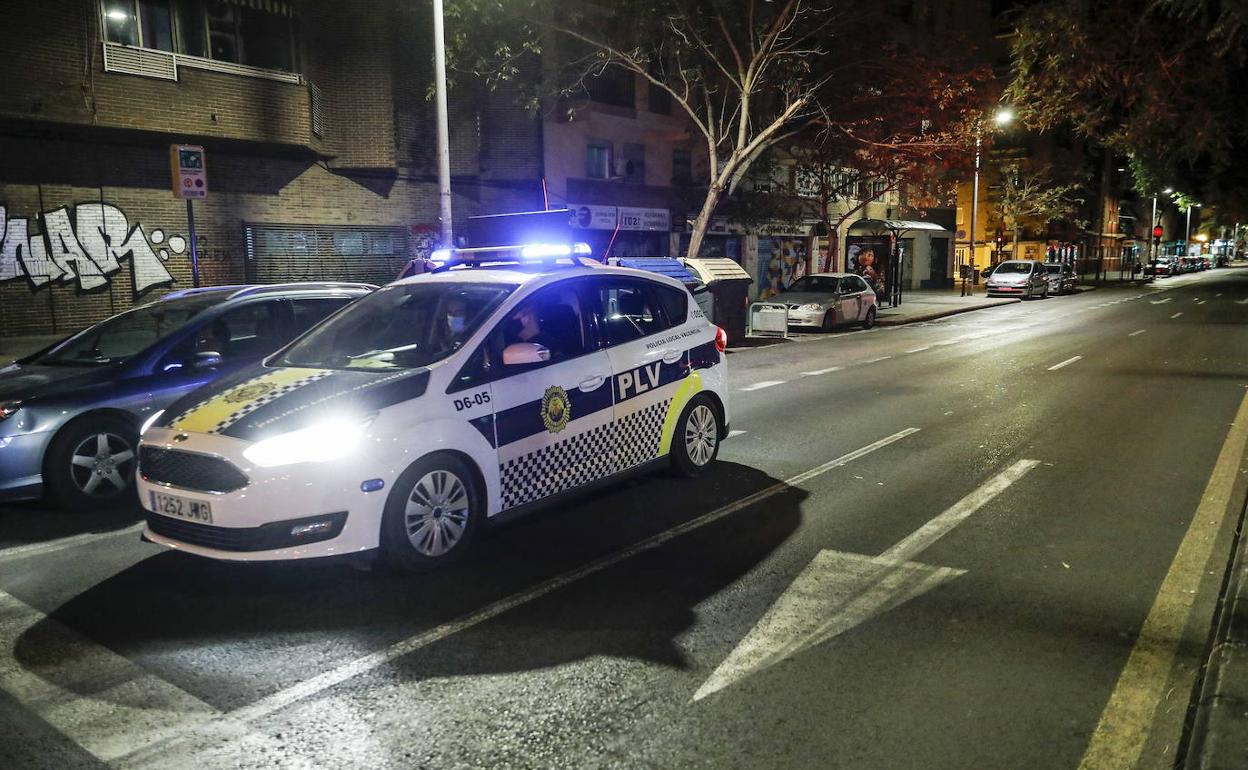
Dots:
{"x": 851, "y": 289}
{"x": 553, "y": 419}
{"x": 639, "y": 324}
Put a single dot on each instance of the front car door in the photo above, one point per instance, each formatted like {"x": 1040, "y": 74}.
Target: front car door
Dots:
{"x": 552, "y": 418}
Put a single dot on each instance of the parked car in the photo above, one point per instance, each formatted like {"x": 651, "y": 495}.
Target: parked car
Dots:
{"x": 827, "y": 300}
{"x": 1061, "y": 278}
{"x": 1161, "y": 266}
{"x": 1024, "y": 278}
{"x": 70, "y": 415}
{"x": 407, "y": 421}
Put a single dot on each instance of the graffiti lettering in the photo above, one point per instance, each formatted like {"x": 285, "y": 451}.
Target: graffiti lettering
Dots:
{"x": 85, "y": 246}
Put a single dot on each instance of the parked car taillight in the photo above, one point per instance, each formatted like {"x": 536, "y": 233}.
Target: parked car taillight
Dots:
{"x": 721, "y": 339}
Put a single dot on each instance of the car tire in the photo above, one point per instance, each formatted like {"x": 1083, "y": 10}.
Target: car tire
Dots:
{"x": 829, "y": 321}
{"x": 433, "y": 514}
{"x": 869, "y": 321}
{"x": 89, "y": 466}
{"x": 696, "y": 440}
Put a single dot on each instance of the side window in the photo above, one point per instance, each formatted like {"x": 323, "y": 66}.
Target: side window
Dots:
{"x": 553, "y": 318}
{"x": 675, "y": 304}
{"x": 859, "y": 284}
{"x": 306, "y": 313}
{"x": 626, "y": 311}
{"x": 248, "y": 331}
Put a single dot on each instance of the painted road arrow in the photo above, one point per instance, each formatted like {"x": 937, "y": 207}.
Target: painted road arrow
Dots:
{"x": 838, "y": 591}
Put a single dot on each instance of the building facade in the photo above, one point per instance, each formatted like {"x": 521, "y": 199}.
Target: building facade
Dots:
{"x": 317, "y": 133}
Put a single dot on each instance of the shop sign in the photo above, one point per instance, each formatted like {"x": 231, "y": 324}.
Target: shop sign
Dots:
{"x": 645, "y": 219}
{"x": 628, "y": 218}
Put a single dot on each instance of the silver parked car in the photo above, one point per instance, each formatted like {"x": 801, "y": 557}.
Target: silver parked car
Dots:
{"x": 1061, "y": 278}
{"x": 826, "y": 300}
{"x": 70, "y": 415}
{"x": 1024, "y": 278}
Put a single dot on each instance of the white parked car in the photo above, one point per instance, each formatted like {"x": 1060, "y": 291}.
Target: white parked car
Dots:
{"x": 827, "y": 300}
{"x": 444, "y": 400}
{"x": 1024, "y": 278}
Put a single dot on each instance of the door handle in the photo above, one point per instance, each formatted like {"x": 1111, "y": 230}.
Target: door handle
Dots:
{"x": 593, "y": 383}
{"x": 672, "y": 356}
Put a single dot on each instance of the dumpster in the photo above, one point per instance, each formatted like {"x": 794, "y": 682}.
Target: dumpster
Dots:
{"x": 727, "y": 295}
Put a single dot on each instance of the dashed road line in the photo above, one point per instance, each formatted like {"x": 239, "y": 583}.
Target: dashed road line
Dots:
{"x": 1201, "y": 302}
{"x": 1137, "y": 331}
{"x": 763, "y": 384}
{"x": 735, "y": 433}
{"x": 920, "y": 350}
{"x": 1067, "y": 362}
{"x": 1241, "y": 301}
{"x": 877, "y": 360}
{"x": 1160, "y": 301}
{"x": 1176, "y": 315}
{"x": 818, "y": 372}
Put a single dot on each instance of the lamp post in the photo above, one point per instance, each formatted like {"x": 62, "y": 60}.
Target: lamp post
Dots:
{"x": 443, "y": 125}
{"x": 1002, "y": 117}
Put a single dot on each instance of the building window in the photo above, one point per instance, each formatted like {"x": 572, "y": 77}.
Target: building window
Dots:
{"x": 238, "y": 31}
{"x": 614, "y": 86}
{"x": 633, "y": 167}
{"x": 682, "y": 167}
{"x": 598, "y": 159}
{"x": 660, "y": 100}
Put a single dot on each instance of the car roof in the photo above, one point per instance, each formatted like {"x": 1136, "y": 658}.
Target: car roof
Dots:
{"x": 248, "y": 290}
{"x": 536, "y": 274}
{"x": 831, "y": 275}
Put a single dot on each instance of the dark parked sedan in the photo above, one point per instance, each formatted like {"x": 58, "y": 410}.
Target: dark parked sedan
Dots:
{"x": 70, "y": 415}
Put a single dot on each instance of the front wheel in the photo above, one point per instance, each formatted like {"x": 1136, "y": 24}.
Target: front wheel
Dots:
{"x": 829, "y": 320}
{"x": 432, "y": 515}
{"x": 695, "y": 442}
{"x": 869, "y": 321}
{"x": 90, "y": 464}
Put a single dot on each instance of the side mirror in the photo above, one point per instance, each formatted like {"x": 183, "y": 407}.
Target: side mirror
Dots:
{"x": 520, "y": 353}
{"x": 206, "y": 359}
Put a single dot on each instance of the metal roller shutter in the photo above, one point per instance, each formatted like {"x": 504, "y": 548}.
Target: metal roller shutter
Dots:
{"x": 278, "y": 253}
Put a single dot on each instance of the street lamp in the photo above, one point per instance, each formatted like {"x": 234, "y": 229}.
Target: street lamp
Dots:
{"x": 444, "y": 131}
{"x": 1001, "y": 118}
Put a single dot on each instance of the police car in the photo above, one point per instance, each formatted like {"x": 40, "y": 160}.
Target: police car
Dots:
{"x": 503, "y": 381}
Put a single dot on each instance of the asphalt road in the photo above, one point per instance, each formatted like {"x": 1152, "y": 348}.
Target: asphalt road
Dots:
{"x": 969, "y": 543}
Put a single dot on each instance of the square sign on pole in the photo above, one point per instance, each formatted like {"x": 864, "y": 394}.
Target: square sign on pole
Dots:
{"x": 190, "y": 174}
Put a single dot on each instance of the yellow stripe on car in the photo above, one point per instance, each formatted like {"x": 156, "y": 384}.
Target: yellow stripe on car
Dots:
{"x": 216, "y": 411}
{"x": 691, "y": 386}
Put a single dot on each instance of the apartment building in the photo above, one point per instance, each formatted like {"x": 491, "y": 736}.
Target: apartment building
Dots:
{"x": 318, "y": 139}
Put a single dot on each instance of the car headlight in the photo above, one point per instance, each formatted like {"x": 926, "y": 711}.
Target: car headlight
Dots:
{"x": 811, "y": 307}
{"x": 9, "y": 408}
{"x": 330, "y": 440}
{"x": 150, "y": 421}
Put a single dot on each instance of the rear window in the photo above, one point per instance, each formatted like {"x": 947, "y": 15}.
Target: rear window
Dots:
{"x": 675, "y": 304}
{"x": 1012, "y": 267}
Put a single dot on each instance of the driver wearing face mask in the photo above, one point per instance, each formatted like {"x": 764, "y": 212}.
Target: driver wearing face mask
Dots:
{"x": 456, "y": 318}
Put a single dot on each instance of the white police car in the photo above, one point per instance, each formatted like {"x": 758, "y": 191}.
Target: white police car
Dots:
{"x": 411, "y": 417}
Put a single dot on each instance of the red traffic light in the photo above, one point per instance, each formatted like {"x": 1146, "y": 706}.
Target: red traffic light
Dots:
{"x": 1157, "y": 232}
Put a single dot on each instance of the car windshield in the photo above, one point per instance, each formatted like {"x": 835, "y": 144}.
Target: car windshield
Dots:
{"x": 118, "y": 338}
{"x": 1012, "y": 267}
{"x": 399, "y": 327}
{"x": 816, "y": 283}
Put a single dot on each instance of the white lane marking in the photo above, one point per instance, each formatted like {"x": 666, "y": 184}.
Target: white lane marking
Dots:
{"x": 1128, "y": 719}
{"x": 818, "y": 372}
{"x": 1067, "y": 362}
{"x": 1201, "y": 302}
{"x": 1219, "y": 294}
{"x": 953, "y": 341}
{"x": 1176, "y": 315}
{"x": 1161, "y": 301}
{"x": 1137, "y": 331}
{"x": 920, "y": 350}
{"x": 763, "y": 384}
{"x": 839, "y": 591}
{"x": 191, "y": 742}
{"x": 51, "y": 546}
{"x": 735, "y": 433}
{"x": 100, "y": 700}
{"x": 1241, "y": 301}
{"x": 877, "y": 360}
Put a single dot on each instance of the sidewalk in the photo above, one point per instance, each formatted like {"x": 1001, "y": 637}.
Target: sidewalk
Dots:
{"x": 927, "y": 304}
{"x": 12, "y": 348}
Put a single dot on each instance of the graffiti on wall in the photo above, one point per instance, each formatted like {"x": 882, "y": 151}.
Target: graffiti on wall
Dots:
{"x": 85, "y": 246}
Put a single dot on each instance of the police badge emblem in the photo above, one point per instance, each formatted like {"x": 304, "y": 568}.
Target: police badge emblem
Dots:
{"x": 556, "y": 409}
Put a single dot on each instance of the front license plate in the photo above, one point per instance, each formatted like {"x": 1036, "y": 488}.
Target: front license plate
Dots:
{"x": 172, "y": 505}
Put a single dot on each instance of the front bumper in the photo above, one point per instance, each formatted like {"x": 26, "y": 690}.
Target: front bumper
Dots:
{"x": 1005, "y": 289}
{"x": 255, "y": 522}
{"x": 806, "y": 317}
{"x": 21, "y": 465}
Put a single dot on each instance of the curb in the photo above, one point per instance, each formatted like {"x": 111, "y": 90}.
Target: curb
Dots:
{"x": 1217, "y": 737}
{"x": 916, "y": 318}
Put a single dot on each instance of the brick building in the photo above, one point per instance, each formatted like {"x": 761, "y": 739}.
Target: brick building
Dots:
{"x": 318, "y": 137}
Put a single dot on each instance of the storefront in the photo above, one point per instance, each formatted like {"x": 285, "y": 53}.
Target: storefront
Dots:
{"x": 622, "y": 231}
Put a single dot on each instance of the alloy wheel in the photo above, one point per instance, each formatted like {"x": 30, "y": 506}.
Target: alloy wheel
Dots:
{"x": 701, "y": 435}
{"x": 436, "y": 515}
{"x": 101, "y": 464}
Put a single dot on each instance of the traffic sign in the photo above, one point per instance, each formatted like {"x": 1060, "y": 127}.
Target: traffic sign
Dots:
{"x": 190, "y": 172}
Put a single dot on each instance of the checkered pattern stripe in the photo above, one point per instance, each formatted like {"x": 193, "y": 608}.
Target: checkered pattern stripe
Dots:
{"x": 583, "y": 458}
{"x": 251, "y": 406}
{"x": 639, "y": 435}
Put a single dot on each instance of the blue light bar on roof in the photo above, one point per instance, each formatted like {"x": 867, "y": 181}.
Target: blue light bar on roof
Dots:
{"x": 545, "y": 250}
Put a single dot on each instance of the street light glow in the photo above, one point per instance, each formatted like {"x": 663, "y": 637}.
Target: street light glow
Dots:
{"x": 115, "y": 15}
{"x": 1168, "y": 190}
{"x": 1003, "y": 116}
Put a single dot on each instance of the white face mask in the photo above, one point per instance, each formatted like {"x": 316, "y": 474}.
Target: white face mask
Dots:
{"x": 456, "y": 323}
